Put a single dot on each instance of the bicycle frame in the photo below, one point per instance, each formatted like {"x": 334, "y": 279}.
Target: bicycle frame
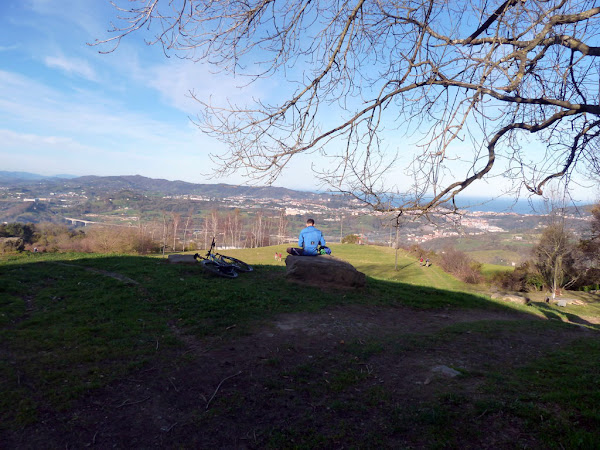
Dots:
{"x": 215, "y": 262}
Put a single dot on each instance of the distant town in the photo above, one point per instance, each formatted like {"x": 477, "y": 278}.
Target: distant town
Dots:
{"x": 132, "y": 201}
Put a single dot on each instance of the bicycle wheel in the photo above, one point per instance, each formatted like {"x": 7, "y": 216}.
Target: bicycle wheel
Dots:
{"x": 216, "y": 269}
{"x": 238, "y": 264}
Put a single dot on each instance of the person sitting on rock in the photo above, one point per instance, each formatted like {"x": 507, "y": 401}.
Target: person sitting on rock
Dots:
{"x": 309, "y": 240}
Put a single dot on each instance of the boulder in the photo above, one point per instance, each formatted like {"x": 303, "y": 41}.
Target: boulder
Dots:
{"x": 182, "y": 259}
{"x": 513, "y": 298}
{"x": 446, "y": 371}
{"x": 323, "y": 270}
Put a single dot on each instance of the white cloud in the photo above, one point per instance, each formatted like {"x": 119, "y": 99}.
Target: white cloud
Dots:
{"x": 34, "y": 105}
{"x": 72, "y": 66}
{"x": 87, "y": 132}
{"x": 174, "y": 80}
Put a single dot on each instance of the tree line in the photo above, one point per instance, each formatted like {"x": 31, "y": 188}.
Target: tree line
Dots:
{"x": 164, "y": 232}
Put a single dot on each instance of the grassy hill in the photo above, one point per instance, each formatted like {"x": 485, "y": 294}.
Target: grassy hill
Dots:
{"x": 129, "y": 351}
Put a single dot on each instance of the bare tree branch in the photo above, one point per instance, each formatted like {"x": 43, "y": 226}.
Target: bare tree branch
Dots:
{"x": 361, "y": 74}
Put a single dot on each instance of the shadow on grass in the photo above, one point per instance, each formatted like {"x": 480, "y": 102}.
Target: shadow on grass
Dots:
{"x": 406, "y": 265}
{"x": 553, "y": 314}
{"x": 189, "y": 295}
{"x": 71, "y": 323}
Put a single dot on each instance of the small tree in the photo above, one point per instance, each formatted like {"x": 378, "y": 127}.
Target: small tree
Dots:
{"x": 524, "y": 278}
{"x": 555, "y": 257}
{"x": 589, "y": 263}
{"x": 461, "y": 266}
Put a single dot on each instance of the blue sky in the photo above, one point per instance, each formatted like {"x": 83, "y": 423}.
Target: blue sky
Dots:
{"x": 66, "y": 109}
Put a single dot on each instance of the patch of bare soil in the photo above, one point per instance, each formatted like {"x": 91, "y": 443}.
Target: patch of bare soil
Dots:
{"x": 346, "y": 377}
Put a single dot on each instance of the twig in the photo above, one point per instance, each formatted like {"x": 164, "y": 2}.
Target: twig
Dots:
{"x": 171, "y": 380}
{"x": 166, "y": 430}
{"x": 217, "y": 390}
{"x": 482, "y": 414}
{"x": 127, "y": 402}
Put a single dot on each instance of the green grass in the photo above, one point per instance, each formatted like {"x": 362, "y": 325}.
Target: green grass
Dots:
{"x": 567, "y": 377}
{"x": 489, "y": 270}
{"x": 69, "y": 328}
{"x": 498, "y": 257}
{"x": 378, "y": 263}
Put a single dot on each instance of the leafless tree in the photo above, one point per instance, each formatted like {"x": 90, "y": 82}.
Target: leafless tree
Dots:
{"x": 260, "y": 230}
{"x": 212, "y": 224}
{"x": 555, "y": 257}
{"x": 176, "y": 218}
{"x": 189, "y": 221}
{"x": 164, "y": 233}
{"x": 590, "y": 247}
{"x": 282, "y": 227}
{"x": 469, "y": 83}
{"x": 233, "y": 227}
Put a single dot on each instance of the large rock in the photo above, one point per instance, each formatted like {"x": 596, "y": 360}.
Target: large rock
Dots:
{"x": 182, "y": 259}
{"x": 323, "y": 270}
{"x": 512, "y": 298}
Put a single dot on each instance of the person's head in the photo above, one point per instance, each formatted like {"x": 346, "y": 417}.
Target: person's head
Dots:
{"x": 310, "y": 223}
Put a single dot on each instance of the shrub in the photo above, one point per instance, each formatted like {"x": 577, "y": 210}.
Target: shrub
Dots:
{"x": 419, "y": 252}
{"x": 52, "y": 237}
{"x": 461, "y": 266}
{"x": 23, "y": 231}
{"x": 523, "y": 279}
{"x": 351, "y": 239}
{"x": 11, "y": 245}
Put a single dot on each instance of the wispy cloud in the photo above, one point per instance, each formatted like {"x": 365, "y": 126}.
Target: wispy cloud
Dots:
{"x": 86, "y": 132}
{"x": 177, "y": 81}
{"x": 72, "y": 66}
{"x": 9, "y": 48}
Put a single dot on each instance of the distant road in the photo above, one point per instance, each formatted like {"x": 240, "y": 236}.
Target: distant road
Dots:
{"x": 85, "y": 222}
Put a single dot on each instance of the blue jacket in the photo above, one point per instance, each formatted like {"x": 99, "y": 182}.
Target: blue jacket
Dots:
{"x": 309, "y": 240}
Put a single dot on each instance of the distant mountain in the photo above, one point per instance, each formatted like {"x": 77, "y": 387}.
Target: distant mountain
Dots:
{"x": 143, "y": 184}
{"x": 21, "y": 177}
{"x": 98, "y": 185}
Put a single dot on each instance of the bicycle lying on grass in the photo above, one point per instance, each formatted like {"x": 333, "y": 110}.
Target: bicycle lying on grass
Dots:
{"x": 222, "y": 265}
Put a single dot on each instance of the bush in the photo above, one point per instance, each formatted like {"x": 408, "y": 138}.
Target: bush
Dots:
{"x": 191, "y": 246}
{"x": 103, "y": 239}
{"x": 461, "y": 266}
{"x": 351, "y": 239}
{"x": 23, "y": 231}
{"x": 523, "y": 279}
{"x": 419, "y": 252}
{"x": 11, "y": 245}
{"x": 52, "y": 237}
